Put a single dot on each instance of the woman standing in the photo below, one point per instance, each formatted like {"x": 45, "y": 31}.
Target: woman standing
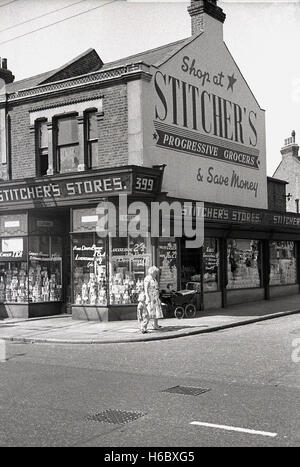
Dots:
{"x": 152, "y": 296}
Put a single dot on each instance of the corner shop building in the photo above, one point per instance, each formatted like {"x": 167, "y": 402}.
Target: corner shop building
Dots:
{"x": 174, "y": 123}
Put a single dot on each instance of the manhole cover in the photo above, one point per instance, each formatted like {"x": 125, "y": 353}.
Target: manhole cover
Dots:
{"x": 186, "y": 390}
{"x": 115, "y": 416}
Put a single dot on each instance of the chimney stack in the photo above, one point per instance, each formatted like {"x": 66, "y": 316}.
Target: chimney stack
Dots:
{"x": 5, "y": 74}
{"x": 290, "y": 148}
{"x": 205, "y": 14}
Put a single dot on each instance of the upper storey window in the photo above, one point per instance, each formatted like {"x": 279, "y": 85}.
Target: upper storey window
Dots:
{"x": 91, "y": 139}
{"x": 42, "y": 147}
{"x": 67, "y": 144}
{"x": 67, "y": 137}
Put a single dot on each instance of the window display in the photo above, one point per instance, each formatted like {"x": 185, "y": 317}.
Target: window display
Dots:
{"x": 283, "y": 269}
{"x": 45, "y": 269}
{"x": 211, "y": 265}
{"x": 13, "y": 282}
{"x": 89, "y": 265}
{"x": 167, "y": 252}
{"x": 129, "y": 260}
{"x": 244, "y": 264}
{"x": 13, "y": 270}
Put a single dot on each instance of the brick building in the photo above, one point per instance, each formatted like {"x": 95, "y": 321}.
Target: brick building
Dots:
{"x": 175, "y": 123}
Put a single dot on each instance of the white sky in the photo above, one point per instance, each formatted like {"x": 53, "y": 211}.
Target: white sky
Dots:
{"x": 263, "y": 37}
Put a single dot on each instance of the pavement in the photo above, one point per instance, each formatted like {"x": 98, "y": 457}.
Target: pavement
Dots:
{"x": 63, "y": 329}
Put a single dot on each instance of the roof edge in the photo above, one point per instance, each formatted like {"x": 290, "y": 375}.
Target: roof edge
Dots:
{"x": 173, "y": 52}
{"x": 98, "y": 64}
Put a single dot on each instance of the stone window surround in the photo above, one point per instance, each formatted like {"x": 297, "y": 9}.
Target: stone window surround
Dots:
{"x": 59, "y": 111}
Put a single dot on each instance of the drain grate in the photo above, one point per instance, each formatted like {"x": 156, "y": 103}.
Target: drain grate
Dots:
{"x": 117, "y": 417}
{"x": 186, "y": 390}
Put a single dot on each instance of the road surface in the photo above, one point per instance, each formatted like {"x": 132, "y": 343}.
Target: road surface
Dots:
{"x": 50, "y": 394}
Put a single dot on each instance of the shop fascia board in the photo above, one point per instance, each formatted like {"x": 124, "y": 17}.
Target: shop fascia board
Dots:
{"x": 263, "y": 225}
{"x": 113, "y": 76}
{"x": 70, "y": 200}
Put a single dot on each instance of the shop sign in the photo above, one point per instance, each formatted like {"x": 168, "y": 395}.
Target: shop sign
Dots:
{"x": 207, "y": 127}
{"x": 11, "y": 254}
{"x": 89, "y": 254}
{"x": 45, "y": 224}
{"x": 145, "y": 184}
{"x": 228, "y": 215}
{"x": 284, "y": 219}
{"x": 11, "y": 224}
{"x": 211, "y": 258}
{"x": 84, "y": 187}
{"x": 65, "y": 189}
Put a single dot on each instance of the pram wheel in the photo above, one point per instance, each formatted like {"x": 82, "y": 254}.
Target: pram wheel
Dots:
{"x": 179, "y": 312}
{"x": 190, "y": 311}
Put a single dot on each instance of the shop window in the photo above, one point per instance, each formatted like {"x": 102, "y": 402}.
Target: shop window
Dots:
{"x": 89, "y": 269}
{"x": 211, "y": 265}
{"x": 67, "y": 144}
{"x": 167, "y": 262}
{"x": 244, "y": 264}
{"x": 42, "y": 147}
{"x": 13, "y": 270}
{"x": 91, "y": 130}
{"x": 129, "y": 261}
{"x": 45, "y": 269}
{"x": 283, "y": 268}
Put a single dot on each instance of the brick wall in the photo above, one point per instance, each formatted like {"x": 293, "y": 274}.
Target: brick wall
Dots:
{"x": 113, "y": 140}
{"x": 113, "y": 133}
{"x": 276, "y": 195}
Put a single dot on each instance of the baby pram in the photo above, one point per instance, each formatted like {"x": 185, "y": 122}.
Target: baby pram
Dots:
{"x": 179, "y": 304}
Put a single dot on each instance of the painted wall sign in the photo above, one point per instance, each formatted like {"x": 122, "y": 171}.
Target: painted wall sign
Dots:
{"x": 191, "y": 143}
{"x": 206, "y": 126}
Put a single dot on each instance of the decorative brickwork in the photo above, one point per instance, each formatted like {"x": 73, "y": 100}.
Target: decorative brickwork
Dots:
{"x": 124, "y": 72}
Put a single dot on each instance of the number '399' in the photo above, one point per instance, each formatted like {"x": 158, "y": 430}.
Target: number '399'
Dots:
{"x": 144, "y": 184}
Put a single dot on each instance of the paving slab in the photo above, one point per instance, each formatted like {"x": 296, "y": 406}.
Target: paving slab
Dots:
{"x": 63, "y": 329}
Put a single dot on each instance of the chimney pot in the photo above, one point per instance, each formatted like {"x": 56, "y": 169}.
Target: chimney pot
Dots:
{"x": 290, "y": 148}
{"x": 5, "y": 74}
{"x": 199, "y": 8}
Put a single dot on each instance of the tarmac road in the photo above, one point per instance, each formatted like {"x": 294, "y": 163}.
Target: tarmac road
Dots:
{"x": 48, "y": 391}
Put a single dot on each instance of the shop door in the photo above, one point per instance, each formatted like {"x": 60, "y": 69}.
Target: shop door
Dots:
{"x": 191, "y": 267}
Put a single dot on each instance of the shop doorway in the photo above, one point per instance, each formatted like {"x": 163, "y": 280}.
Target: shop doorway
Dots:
{"x": 191, "y": 272}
